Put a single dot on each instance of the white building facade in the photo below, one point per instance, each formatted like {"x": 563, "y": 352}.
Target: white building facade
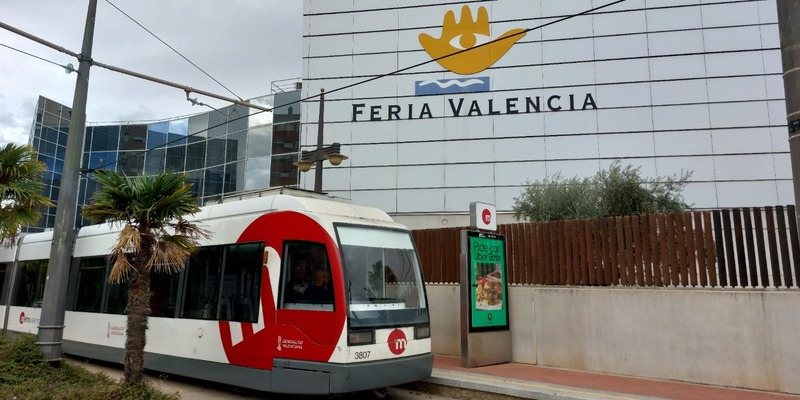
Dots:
{"x": 666, "y": 85}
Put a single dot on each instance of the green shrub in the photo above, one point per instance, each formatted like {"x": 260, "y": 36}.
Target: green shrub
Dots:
{"x": 613, "y": 192}
{"x": 25, "y": 375}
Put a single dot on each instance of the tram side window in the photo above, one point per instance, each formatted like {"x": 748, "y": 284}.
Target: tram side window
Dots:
{"x": 117, "y": 298}
{"x": 30, "y": 284}
{"x": 91, "y": 277}
{"x": 241, "y": 282}
{"x": 200, "y": 299}
{"x": 164, "y": 294}
{"x": 306, "y": 281}
{"x": 3, "y": 268}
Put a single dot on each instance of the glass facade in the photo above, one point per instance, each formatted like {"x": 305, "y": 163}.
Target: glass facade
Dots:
{"x": 224, "y": 152}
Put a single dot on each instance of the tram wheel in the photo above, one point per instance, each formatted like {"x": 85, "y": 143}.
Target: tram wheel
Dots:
{"x": 380, "y": 393}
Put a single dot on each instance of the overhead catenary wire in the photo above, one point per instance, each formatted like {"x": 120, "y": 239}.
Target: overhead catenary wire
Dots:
{"x": 173, "y": 49}
{"x": 34, "y": 56}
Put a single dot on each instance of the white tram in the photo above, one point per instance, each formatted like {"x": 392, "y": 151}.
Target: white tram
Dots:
{"x": 289, "y": 295}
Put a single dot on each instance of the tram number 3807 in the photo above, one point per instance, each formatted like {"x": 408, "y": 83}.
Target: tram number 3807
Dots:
{"x": 362, "y": 355}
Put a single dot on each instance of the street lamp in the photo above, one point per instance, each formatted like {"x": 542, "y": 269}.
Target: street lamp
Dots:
{"x": 316, "y": 157}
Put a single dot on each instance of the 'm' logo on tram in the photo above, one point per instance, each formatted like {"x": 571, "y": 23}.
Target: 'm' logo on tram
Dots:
{"x": 397, "y": 342}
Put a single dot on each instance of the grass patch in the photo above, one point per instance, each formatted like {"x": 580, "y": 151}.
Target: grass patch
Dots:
{"x": 25, "y": 375}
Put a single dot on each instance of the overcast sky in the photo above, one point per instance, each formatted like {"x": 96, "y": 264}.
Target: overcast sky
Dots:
{"x": 244, "y": 44}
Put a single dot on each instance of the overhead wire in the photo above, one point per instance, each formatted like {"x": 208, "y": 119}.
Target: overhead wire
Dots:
{"x": 172, "y": 48}
{"x": 315, "y": 96}
{"x": 34, "y": 56}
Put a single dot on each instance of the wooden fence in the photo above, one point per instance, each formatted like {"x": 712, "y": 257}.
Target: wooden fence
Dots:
{"x": 743, "y": 247}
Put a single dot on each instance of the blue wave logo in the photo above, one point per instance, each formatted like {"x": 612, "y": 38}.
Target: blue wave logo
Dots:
{"x": 451, "y": 86}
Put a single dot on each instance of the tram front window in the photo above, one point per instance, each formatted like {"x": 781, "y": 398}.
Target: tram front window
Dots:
{"x": 382, "y": 277}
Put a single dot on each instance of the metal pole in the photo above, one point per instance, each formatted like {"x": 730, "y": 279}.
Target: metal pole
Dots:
{"x": 51, "y": 326}
{"x": 319, "y": 157}
{"x": 789, "y": 28}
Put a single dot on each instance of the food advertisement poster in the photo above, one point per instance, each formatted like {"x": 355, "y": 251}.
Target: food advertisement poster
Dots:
{"x": 488, "y": 288}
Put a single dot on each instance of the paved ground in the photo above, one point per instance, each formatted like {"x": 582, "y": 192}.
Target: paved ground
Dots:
{"x": 451, "y": 381}
{"x": 552, "y": 383}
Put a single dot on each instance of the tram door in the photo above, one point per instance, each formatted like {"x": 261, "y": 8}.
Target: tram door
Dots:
{"x": 306, "y": 306}
{"x": 4, "y": 288}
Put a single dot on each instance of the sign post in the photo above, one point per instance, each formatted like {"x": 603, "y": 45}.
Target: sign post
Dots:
{"x": 485, "y": 333}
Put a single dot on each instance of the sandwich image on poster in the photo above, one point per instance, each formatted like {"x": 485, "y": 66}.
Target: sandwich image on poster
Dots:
{"x": 489, "y": 287}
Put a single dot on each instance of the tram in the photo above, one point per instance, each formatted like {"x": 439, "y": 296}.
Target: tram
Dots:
{"x": 290, "y": 294}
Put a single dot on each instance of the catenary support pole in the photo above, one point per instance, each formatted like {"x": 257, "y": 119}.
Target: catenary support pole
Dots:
{"x": 320, "y": 143}
{"x": 51, "y": 324}
{"x": 789, "y": 27}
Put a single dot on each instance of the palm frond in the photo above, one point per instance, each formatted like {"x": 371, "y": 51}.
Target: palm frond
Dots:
{"x": 170, "y": 255}
{"x": 121, "y": 269}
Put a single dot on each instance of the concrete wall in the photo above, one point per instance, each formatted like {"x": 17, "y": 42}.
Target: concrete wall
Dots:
{"x": 737, "y": 338}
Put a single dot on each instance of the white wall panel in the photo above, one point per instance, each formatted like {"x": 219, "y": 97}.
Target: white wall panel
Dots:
{"x": 385, "y": 200}
{"x": 731, "y": 141}
{"x": 568, "y": 51}
{"x": 678, "y": 143}
{"x": 374, "y": 42}
{"x": 504, "y": 197}
{"x": 785, "y": 191}
{"x": 620, "y": 71}
{"x": 620, "y": 23}
{"x": 519, "y": 173}
{"x": 678, "y": 42}
{"x": 421, "y": 153}
{"x": 420, "y": 200}
{"x": 374, "y": 178}
{"x": 681, "y": 117}
{"x": 469, "y": 175}
{"x": 420, "y": 177}
{"x": 620, "y": 47}
{"x": 625, "y": 120}
{"x": 522, "y": 149}
{"x": 702, "y": 167}
{"x": 571, "y": 147}
{"x": 727, "y": 64}
{"x": 730, "y": 14}
{"x": 469, "y": 151}
{"x": 570, "y": 122}
{"x": 739, "y": 114}
{"x": 673, "y": 18}
{"x": 677, "y": 67}
{"x": 745, "y": 167}
{"x": 739, "y": 194}
{"x": 458, "y": 200}
{"x": 731, "y": 39}
{"x": 680, "y": 92}
{"x": 568, "y": 169}
{"x": 375, "y": 154}
{"x": 638, "y": 144}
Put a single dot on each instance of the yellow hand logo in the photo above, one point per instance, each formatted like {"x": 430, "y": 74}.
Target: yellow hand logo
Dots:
{"x": 469, "y": 33}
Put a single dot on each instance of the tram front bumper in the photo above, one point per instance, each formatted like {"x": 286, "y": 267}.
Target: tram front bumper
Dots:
{"x": 288, "y": 375}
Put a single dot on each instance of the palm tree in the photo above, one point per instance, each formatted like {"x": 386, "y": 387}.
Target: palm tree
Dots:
{"x": 155, "y": 236}
{"x": 22, "y": 189}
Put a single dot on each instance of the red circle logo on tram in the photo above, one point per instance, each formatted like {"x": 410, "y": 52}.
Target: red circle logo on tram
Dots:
{"x": 22, "y": 318}
{"x": 397, "y": 342}
{"x": 487, "y": 216}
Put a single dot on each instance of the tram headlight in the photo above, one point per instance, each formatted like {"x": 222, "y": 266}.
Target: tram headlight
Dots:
{"x": 360, "y": 337}
{"x": 422, "y": 332}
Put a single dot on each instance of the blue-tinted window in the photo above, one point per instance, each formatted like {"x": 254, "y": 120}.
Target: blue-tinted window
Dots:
{"x": 157, "y": 135}
{"x": 176, "y": 158}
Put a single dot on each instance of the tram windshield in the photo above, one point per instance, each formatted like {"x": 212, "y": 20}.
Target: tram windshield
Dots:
{"x": 383, "y": 280}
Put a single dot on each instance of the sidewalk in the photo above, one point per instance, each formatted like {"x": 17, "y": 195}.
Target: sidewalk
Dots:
{"x": 542, "y": 383}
